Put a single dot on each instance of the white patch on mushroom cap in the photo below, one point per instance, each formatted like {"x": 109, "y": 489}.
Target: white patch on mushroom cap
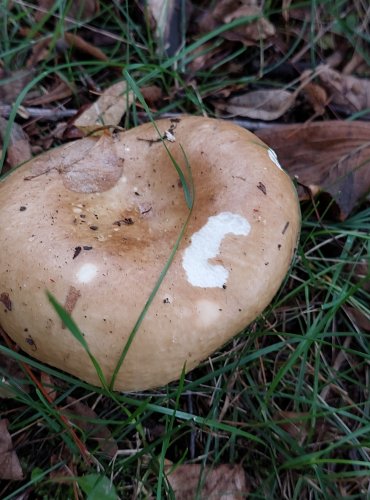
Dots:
{"x": 86, "y": 273}
{"x": 273, "y": 157}
{"x": 205, "y": 245}
{"x": 208, "y": 312}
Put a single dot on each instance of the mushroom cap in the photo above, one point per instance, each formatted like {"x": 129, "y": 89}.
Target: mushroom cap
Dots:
{"x": 94, "y": 222}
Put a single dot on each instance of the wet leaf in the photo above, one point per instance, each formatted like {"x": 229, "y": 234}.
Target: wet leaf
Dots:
{"x": 107, "y": 110}
{"x": 330, "y": 156}
{"x": 214, "y": 483}
{"x": 261, "y": 104}
{"x": 10, "y": 468}
{"x": 96, "y": 431}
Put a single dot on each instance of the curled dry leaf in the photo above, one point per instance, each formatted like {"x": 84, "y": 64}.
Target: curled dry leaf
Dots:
{"x": 330, "y": 156}
{"x": 107, "y": 110}
{"x": 19, "y": 149}
{"x": 348, "y": 93}
{"x": 260, "y": 104}
{"x": 10, "y": 468}
{"x": 81, "y": 415}
{"x": 227, "y": 482}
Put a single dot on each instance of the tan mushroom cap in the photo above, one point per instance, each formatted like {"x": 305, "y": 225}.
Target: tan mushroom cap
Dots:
{"x": 94, "y": 222}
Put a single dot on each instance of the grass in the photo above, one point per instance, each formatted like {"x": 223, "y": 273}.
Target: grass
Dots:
{"x": 288, "y": 398}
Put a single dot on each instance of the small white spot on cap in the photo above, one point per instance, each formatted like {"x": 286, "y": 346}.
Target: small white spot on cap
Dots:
{"x": 205, "y": 245}
{"x": 87, "y": 273}
{"x": 273, "y": 157}
{"x": 169, "y": 136}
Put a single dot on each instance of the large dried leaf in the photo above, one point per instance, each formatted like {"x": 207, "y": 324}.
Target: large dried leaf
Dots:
{"x": 10, "y": 468}
{"x": 331, "y": 156}
{"x": 224, "y": 482}
{"x": 107, "y": 110}
{"x": 261, "y": 104}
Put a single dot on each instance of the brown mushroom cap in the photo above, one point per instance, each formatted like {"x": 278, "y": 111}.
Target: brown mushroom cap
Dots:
{"x": 94, "y": 222}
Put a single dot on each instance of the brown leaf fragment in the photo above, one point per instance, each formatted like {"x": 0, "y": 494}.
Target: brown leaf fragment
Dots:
{"x": 10, "y": 467}
{"x": 14, "y": 372}
{"x": 361, "y": 320}
{"x": 295, "y": 424}
{"x": 107, "y": 110}
{"x": 19, "y": 149}
{"x": 348, "y": 93}
{"x": 255, "y": 29}
{"x": 59, "y": 91}
{"x": 261, "y": 104}
{"x": 317, "y": 97}
{"x": 81, "y": 415}
{"x": 12, "y": 84}
{"x": 328, "y": 156}
{"x": 79, "y": 43}
{"x": 223, "y": 482}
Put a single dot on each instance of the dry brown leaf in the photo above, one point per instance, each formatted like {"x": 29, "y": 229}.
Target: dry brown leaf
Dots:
{"x": 84, "y": 9}
{"x": 12, "y": 369}
{"x": 328, "y": 156}
{"x": 361, "y": 320}
{"x": 107, "y": 110}
{"x": 295, "y": 424}
{"x": 317, "y": 97}
{"x": 99, "y": 433}
{"x": 12, "y": 85}
{"x": 225, "y": 11}
{"x": 223, "y": 482}
{"x": 348, "y": 93}
{"x": 79, "y": 43}
{"x": 264, "y": 105}
{"x": 60, "y": 91}
{"x": 10, "y": 467}
{"x": 152, "y": 94}
{"x": 19, "y": 149}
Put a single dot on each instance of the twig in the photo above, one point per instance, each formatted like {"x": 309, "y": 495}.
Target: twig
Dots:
{"x": 50, "y": 114}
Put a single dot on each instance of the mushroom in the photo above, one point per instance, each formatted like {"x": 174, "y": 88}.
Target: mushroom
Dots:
{"x": 94, "y": 222}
